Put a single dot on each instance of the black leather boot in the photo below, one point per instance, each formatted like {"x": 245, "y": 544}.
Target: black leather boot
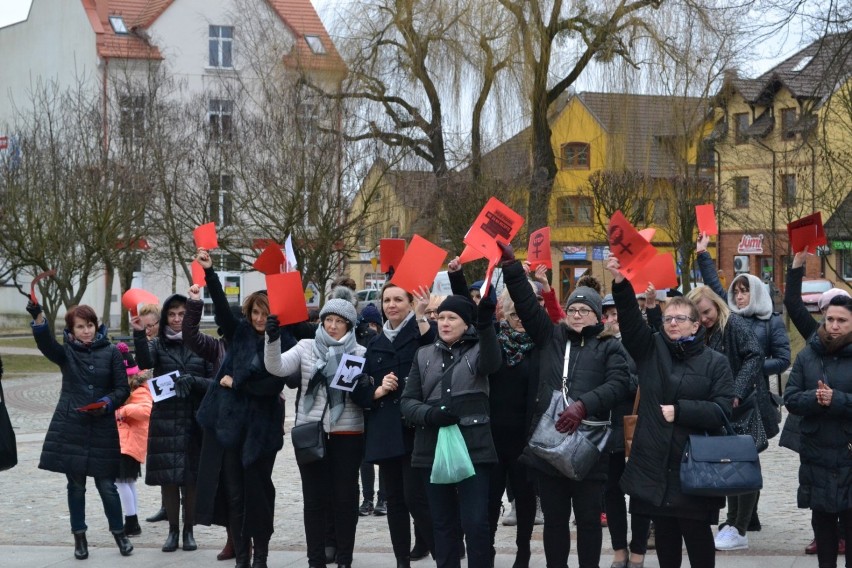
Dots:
{"x": 124, "y": 545}
{"x": 131, "y": 525}
{"x": 81, "y": 546}
{"x": 403, "y": 563}
{"x": 522, "y": 557}
{"x": 261, "y": 552}
{"x": 158, "y": 516}
{"x": 242, "y": 550}
{"x": 172, "y": 540}
{"x": 188, "y": 539}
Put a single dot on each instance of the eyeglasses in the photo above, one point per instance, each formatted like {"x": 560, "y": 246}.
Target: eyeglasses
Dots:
{"x": 513, "y": 316}
{"x": 678, "y": 319}
{"x": 581, "y": 311}
{"x": 430, "y": 312}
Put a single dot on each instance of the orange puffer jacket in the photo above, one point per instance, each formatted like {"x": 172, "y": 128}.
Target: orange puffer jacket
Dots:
{"x": 132, "y": 419}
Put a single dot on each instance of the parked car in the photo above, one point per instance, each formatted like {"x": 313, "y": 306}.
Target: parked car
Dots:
{"x": 812, "y": 291}
{"x": 367, "y": 296}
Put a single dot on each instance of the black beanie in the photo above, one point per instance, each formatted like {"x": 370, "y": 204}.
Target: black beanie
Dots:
{"x": 461, "y": 305}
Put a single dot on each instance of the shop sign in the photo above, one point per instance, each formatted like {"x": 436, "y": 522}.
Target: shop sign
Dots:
{"x": 600, "y": 253}
{"x": 841, "y": 245}
{"x": 573, "y": 253}
{"x": 750, "y": 245}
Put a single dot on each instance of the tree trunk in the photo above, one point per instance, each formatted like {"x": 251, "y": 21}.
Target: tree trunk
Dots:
{"x": 109, "y": 277}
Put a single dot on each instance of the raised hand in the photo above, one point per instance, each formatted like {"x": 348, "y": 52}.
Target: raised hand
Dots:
{"x": 614, "y": 268}
{"x": 203, "y": 258}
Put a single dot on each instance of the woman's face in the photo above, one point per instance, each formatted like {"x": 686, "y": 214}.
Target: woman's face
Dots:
{"x": 174, "y": 317}
{"x": 334, "y": 326}
{"x": 678, "y": 322}
{"x": 258, "y": 318}
{"x": 838, "y": 321}
{"x": 579, "y": 315}
{"x": 450, "y": 327}
{"x": 742, "y": 295}
{"x": 514, "y": 320}
{"x": 152, "y": 325}
{"x": 707, "y": 312}
{"x": 396, "y": 305}
{"x": 84, "y": 331}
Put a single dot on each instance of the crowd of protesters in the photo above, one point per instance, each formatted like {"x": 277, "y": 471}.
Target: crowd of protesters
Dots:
{"x": 487, "y": 364}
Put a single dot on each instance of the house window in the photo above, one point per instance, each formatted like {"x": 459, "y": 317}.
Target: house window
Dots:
{"x": 574, "y": 210}
{"x": 221, "y": 45}
{"x": 788, "y": 119}
{"x": 741, "y": 192}
{"x": 639, "y": 209}
{"x": 118, "y": 25}
{"x": 394, "y": 232}
{"x": 845, "y": 264}
{"x": 575, "y": 156}
{"x": 131, "y": 122}
{"x": 706, "y": 157}
{"x": 788, "y": 183}
{"x": 316, "y": 45}
{"x": 219, "y": 114}
{"x": 661, "y": 212}
{"x": 221, "y": 195}
{"x": 740, "y": 126}
{"x": 307, "y": 119}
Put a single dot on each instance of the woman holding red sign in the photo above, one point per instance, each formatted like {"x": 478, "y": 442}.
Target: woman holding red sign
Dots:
{"x": 82, "y": 439}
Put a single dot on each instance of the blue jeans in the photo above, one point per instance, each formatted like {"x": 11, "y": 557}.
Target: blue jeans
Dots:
{"x": 77, "y": 502}
{"x": 467, "y": 499}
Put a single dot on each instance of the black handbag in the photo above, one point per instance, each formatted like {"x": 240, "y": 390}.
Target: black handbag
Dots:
{"x": 720, "y": 466}
{"x": 309, "y": 440}
{"x": 573, "y": 455}
{"x": 8, "y": 444}
{"x": 748, "y": 419}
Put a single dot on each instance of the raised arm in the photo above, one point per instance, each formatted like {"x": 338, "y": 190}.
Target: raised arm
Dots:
{"x": 551, "y": 304}
{"x": 144, "y": 355}
{"x": 535, "y": 319}
{"x": 201, "y": 344}
{"x": 793, "y": 303}
{"x": 458, "y": 283}
{"x": 708, "y": 267}
{"x": 225, "y": 319}
{"x": 46, "y": 342}
{"x": 636, "y": 336}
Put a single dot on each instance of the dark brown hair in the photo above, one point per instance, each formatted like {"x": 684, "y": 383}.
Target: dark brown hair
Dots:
{"x": 390, "y": 284}
{"x": 259, "y": 299}
{"x": 741, "y": 281}
{"x": 84, "y": 312}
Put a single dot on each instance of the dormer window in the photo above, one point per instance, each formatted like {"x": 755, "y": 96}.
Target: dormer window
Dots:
{"x": 117, "y": 23}
{"x": 316, "y": 45}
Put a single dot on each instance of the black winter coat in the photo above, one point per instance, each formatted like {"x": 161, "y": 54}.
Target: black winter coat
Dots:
{"x": 386, "y": 433}
{"x": 825, "y": 473}
{"x": 512, "y": 399}
{"x": 469, "y": 361}
{"x": 688, "y": 375}
{"x": 77, "y": 442}
{"x": 597, "y": 366}
{"x": 739, "y": 345}
{"x": 174, "y": 437}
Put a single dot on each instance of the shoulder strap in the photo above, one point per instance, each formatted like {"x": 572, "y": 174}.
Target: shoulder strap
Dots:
{"x": 565, "y": 370}
{"x": 636, "y": 400}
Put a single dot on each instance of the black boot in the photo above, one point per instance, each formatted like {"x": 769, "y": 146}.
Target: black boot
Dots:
{"x": 158, "y": 516}
{"x": 81, "y": 546}
{"x": 172, "y": 540}
{"x": 419, "y": 551}
{"x": 131, "y": 525}
{"x": 261, "y": 552}
{"x": 403, "y": 563}
{"x": 188, "y": 539}
{"x": 330, "y": 554}
{"x": 242, "y": 550}
{"x": 124, "y": 545}
{"x": 522, "y": 557}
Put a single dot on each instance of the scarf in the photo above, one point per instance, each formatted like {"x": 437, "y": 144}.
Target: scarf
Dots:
{"x": 514, "y": 343}
{"x": 173, "y": 335}
{"x": 329, "y": 353}
{"x": 390, "y": 332}
{"x": 833, "y": 345}
{"x": 760, "y": 302}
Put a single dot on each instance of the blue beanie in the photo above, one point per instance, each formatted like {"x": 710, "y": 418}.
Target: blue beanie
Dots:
{"x": 371, "y": 314}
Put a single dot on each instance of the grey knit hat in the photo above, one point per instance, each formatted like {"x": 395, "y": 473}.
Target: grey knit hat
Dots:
{"x": 342, "y": 308}
{"x": 586, "y": 295}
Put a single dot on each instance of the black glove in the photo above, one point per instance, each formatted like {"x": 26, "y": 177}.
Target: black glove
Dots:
{"x": 183, "y": 385}
{"x": 440, "y": 417}
{"x": 485, "y": 313}
{"x": 508, "y": 253}
{"x": 273, "y": 329}
{"x": 34, "y": 309}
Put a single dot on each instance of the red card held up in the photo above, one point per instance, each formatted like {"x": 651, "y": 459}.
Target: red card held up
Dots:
{"x": 198, "y": 277}
{"x": 419, "y": 266}
{"x": 287, "y": 297}
{"x": 36, "y": 280}
{"x": 496, "y": 222}
{"x": 648, "y": 233}
{"x": 469, "y": 254}
{"x": 135, "y": 296}
{"x": 391, "y": 252}
{"x": 93, "y": 406}
{"x": 810, "y": 238}
{"x": 205, "y": 236}
{"x": 659, "y": 271}
{"x": 538, "y": 249}
{"x": 627, "y": 245}
{"x": 705, "y": 216}
{"x": 271, "y": 259}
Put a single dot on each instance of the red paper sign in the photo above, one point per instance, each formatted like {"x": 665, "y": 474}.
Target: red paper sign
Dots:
{"x": 391, "y": 252}
{"x": 469, "y": 254}
{"x": 811, "y": 238}
{"x": 705, "y": 215}
{"x": 496, "y": 222}
{"x": 36, "y": 280}
{"x": 205, "y": 236}
{"x": 538, "y": 250}
{"x": 271, "y": 259}
{"x": 93, "y": 406}
{"x": 287, "y": 297}
{"x": 659, "y": 271}
{"x": 135, "y": 296}
{"x": 198, "y": 277}
{"x": 419, "y": 266}
{"x": 648, "y": 233}
{"x": 627, "y": 245}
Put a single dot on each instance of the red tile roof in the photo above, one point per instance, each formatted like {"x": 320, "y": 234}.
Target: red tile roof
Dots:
{"x": 303, "y": 20}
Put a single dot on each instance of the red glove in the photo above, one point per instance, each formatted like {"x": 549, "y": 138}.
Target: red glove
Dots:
{"x": 571, "y": 417}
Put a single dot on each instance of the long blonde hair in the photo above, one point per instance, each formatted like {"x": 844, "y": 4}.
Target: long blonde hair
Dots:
{"x": 704, "y": 292}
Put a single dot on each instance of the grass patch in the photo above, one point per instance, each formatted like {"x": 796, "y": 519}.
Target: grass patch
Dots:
{"x": 18, "y": 341}
{"x": 23, "y": 364}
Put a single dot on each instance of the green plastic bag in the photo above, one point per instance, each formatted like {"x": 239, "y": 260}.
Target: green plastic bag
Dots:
{"x": 452, "y": 462}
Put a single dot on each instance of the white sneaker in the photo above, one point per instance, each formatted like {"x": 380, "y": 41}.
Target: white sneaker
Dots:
{"x": 729, "y": 538}
{"x": 510, "y": 519}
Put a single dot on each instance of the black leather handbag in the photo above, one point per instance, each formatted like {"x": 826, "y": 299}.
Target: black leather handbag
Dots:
{"x": 720, "y": 466}
{"x": 309, "y": 441}
{"x": 8, "y": 444}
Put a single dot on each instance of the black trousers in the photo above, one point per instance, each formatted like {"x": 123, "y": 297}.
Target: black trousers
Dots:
{"x": 406, "y": 495}
{"x": 368, "y": 482}
{"x": 826, "y": 531}
{"x": 673, "y": 532}
{"x": 250, "y": 497}
{"x": 510, "y": 476}
{"x": 616, "y": 512}
{"x": 335, "y": 475}
{"x": 558, "y": 496}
